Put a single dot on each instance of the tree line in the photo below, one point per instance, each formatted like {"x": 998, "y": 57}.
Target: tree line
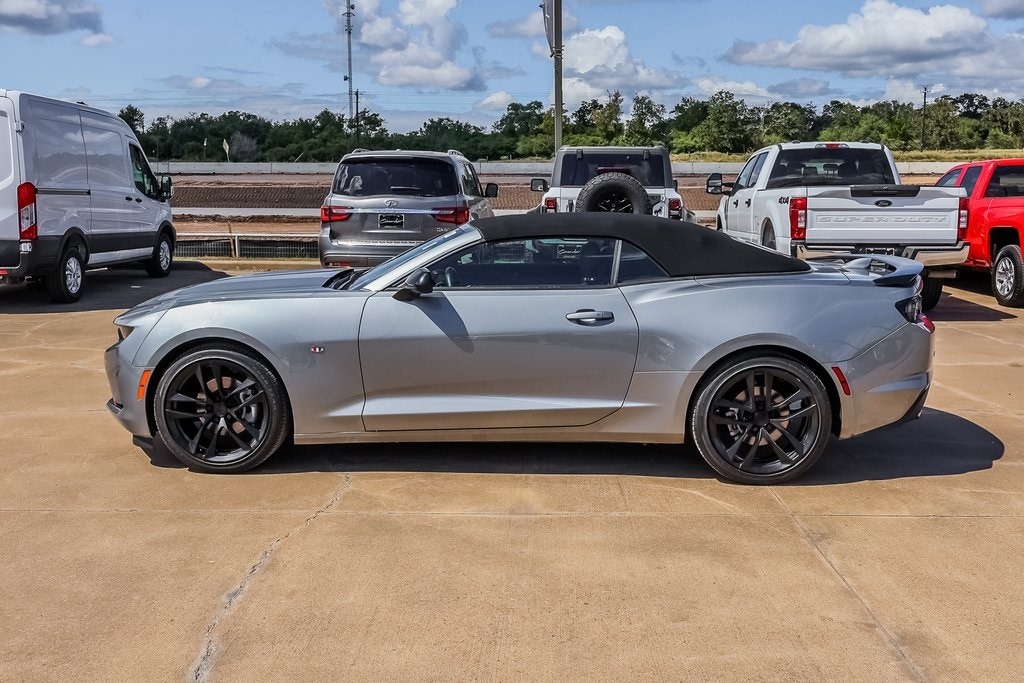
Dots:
{"x": 720, "y": 123}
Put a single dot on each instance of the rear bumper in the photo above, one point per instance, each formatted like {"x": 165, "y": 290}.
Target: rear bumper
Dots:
{"x": 929, "y": 256}
{"x": 23, "y": 255}
{"x": 888, "y": 383}
{"x": 357, "y": 253}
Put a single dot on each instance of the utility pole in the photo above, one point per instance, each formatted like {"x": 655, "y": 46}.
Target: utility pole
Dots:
{"x": 348, "y": 14}
{"x": 553, "y": 27}
{"x": 924, "y": 118}
{"x": 357, "y": 118}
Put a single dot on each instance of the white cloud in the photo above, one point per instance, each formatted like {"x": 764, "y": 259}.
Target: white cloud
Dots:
{"x": 50, "y": 17}
{"x": 447, "y": 75}
{"x": 96, "y": 39}
{"x": 496, "y": 101}
{"x": 530, "y": 26}
{"x": 1003, "y": 9}
{"x": 602, "y": 59}
{"x": 745, "y": 90}
{"x": 884, "y": 38}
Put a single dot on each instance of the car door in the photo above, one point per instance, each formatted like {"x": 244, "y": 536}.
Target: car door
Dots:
{"x": 738, "y": 208}
{"x": 517, "y": 334}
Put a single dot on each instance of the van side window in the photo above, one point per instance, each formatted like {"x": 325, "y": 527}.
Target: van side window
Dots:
{"x": 144, "y": 179}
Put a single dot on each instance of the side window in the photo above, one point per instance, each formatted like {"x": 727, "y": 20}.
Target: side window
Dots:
{"x": 563, "y": 262}
{"x": 971, "y": 176}
{"x": 743, "y": 179}
{"x": 143, "y": 177}
{"x": 635, "y": 266}
{"x": 470, "y": 182}
{"x": 949, "y": 180}
{"x": 755, "y": 173}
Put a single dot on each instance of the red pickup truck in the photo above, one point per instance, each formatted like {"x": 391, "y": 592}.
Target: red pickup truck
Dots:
{"x": 995, "y": 192}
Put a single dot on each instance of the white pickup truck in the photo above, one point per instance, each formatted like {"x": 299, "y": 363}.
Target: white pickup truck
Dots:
{"x": 812, "y": 199}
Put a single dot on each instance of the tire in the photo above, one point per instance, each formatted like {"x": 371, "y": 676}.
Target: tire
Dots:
{"x": 768, "y": 237}
{"x": 731, "y": 404}
{"x": 250, "y": 421}
{"x": 718, "y": 224}
{"x": 163, "y": 255}
{"x": 1008, "y": 277}
{"x": 931, "y": 293}
{"x": 616, "y": 192}
{"x": 64, "y": 284}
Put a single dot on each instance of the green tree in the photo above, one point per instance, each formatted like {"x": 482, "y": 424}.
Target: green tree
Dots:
{"x": 727, "y": 125}
{"x": 688, "y": 114}
{"x": 134, "y": 117}
{"x": 608, "y": 118}
{"x": 647, "y": 124}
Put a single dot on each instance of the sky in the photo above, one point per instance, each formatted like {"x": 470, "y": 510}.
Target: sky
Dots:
{"x": 413, "y": 60}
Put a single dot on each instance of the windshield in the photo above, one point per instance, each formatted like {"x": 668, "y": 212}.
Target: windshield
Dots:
{"x": 397, "y": 263}
{"x": 831, "y": 165}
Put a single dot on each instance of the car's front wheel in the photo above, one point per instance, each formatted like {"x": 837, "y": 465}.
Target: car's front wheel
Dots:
{"x": 221, "y": 409}
{"x": 761, "y": 419}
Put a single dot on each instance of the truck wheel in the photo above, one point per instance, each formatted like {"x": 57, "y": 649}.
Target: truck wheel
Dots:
{"x": 616, "y": 192}
{"x": 931, "y": 293}
{"x": 1008, "y": 277}
{"x": 64, "y": 284}
{"x": 768, "y": 236}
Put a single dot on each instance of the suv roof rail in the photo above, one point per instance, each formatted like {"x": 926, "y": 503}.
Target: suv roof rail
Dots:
{"x": 360, "y": 149}
{"x": 456, "y": 153}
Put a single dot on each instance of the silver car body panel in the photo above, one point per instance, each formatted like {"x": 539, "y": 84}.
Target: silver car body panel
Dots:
{"x": 508, "y": 365}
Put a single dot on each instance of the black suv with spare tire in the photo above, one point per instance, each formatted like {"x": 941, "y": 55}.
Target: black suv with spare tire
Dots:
{"x": 621, "y": 179}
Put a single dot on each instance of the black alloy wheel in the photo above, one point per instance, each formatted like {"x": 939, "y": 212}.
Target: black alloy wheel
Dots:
{"x": 221, "y": 410}
{"x": 762, "y": 419}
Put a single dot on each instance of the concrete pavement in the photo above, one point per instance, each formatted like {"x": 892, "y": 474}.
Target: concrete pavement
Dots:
{"x": 897, "y": 558}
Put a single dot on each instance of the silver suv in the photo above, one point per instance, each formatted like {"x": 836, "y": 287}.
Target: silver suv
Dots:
{"x": 385, "y": 202}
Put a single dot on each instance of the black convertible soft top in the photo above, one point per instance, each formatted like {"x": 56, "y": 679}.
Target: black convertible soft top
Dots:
{"x": 682, "y": 249}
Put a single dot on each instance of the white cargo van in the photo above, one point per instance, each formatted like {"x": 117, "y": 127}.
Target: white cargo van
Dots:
{"x": 76, "y": 192}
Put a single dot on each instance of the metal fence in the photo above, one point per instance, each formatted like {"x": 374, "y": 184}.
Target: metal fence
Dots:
{"x": 246, "y": 246}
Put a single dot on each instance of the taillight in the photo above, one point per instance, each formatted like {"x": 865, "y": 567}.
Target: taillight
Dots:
{"x": 334, "y": 214}
{"x": 961, "y": 226}
{"x": 912, "y": 311}
{"x": 451, "y": 214}
{"x": 28, "y": 229}
{"x": 798, "y": 218}
{"x": 550, "y": 205}
{"x": 675, "y": 208}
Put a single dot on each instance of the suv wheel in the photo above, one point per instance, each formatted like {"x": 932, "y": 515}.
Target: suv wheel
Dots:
{"x": 616, "y": 192}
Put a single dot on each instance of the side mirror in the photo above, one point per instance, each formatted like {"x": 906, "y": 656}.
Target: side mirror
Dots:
{"x": 539, "y": 185}
{"x": 419, "y": 282}
{"x": 491, "y": 190}
{"x": 714, "y": 184}
{"x": 165, "y": 186}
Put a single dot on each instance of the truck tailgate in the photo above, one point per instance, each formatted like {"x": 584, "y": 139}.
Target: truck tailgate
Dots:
{"x": 875, "y": 214}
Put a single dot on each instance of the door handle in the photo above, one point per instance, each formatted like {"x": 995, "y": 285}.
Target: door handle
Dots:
{"x": 748, "y": 202}
{"x": 128, "y": 199}
{"x": 735, "y": 202}
{"x": 586, "y": 316}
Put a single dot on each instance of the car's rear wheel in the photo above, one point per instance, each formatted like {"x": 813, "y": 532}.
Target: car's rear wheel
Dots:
{"x": 768, "y": 236}
{"x": 931, "y": 293}
{"x": 220, "y": 409}
{"x": 1008, "y": 277}
{"x": 64, "y": 284}
{"x": 616, "y": 192}
{"x": 761, "y": 419}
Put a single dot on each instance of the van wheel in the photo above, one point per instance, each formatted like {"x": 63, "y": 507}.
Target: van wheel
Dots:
{"x": 160, "y": 264}
{"x": 64, "y": 284}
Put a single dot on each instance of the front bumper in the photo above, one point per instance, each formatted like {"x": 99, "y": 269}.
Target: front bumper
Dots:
{"x": 930, "y": 256}
{"x": 124, "y": 380}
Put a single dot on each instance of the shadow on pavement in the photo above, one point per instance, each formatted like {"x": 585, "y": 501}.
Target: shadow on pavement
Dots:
{"x": 938, "y": 444}
{"x": 953, "y": 308}
{"x": 111, "y": 288}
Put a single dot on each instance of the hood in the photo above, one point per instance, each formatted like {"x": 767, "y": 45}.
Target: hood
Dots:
{"x": 274, "y": 285}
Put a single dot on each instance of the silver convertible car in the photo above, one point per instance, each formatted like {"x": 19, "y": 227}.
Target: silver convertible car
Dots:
{"x": 598, "y": 327}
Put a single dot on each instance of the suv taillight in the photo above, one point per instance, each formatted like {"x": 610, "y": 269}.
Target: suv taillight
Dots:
{"x": 961, "y": 226}
{"x": 451, "y": 214}
{"x": 675, "y": 208}
{"x": 28, "y": 229}
{"x": 550, "y": 205}
{"x": 798, "y": 218}
{"x": 334, "y": 214}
